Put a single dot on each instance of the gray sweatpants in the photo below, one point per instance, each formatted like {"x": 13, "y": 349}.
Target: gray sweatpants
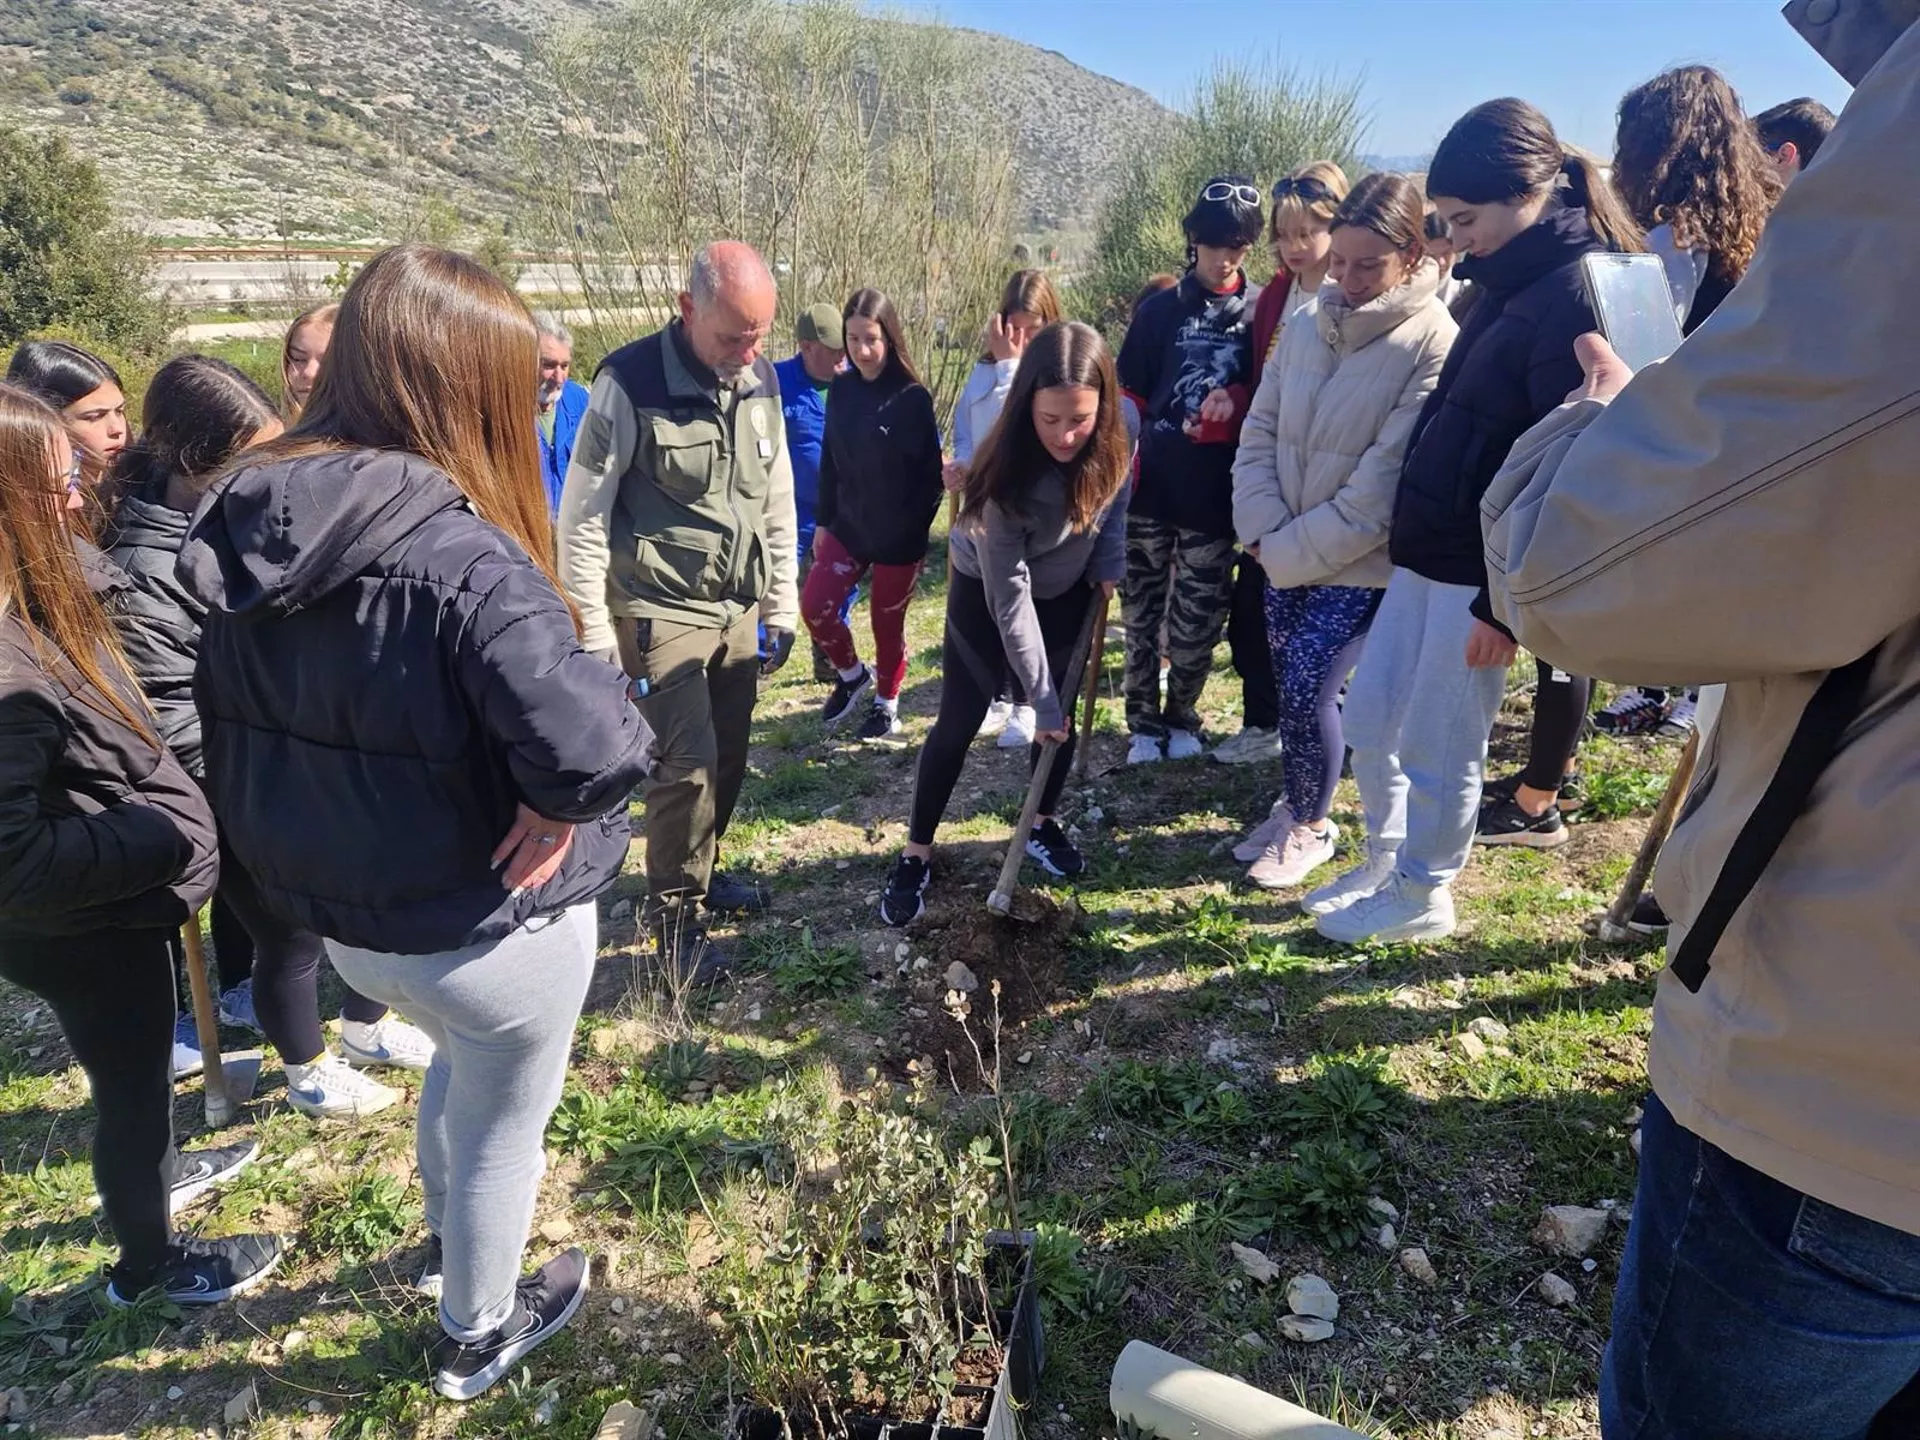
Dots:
{"x": 501, "y": 1018}
{"x": 1418, "y": 719}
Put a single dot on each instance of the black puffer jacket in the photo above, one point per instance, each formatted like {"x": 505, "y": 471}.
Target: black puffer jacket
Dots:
{"x": 880, "y": 467}
{"x": 1512, "y": 363}
{"x": 158, "y": 621}
{"x": 99, "y": 826}
{"x": 383, "y": 677}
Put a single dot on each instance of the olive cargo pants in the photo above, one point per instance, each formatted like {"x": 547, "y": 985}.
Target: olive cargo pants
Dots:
{"x": 701, "y": 685}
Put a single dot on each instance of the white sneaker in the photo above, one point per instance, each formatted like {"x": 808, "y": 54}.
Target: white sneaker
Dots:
{"x": 1183, "y": 745}
{"x": 1254, "y": 844}
{"x": 390, "y": 1040}
{"x": 187, "y": 1059}
{"x": 1290, "y": 858}
{"x": 1017, "y": 733}
{"x": 998, "y": 713}
{"x": 1249, "y": 747}
{"x": 1398, "y": 910}
{"x": 1362, "y": 880}
{"x": 331, "y": 1088}
{"x": 1144, "y": 750}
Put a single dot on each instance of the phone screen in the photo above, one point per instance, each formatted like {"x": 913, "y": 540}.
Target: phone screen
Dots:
{"x": 1634, "y": 306}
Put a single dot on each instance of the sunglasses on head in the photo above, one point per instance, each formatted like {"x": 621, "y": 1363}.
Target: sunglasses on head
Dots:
{"x": 1305, "y": 188}
{"x": 1225, "y": 190}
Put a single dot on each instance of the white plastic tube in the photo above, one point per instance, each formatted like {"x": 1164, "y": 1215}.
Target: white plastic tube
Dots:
{"x": 1174, "y": 1399}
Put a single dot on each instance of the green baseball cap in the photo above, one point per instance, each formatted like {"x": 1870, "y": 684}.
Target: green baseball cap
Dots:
{"x": 821, "y": 324}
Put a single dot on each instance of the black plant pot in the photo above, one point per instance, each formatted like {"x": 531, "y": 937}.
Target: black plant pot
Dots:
{"x": 1013, "y": 1390}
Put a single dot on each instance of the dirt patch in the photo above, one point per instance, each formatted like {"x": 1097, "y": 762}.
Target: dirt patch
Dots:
{"x": 1024, "y": 955}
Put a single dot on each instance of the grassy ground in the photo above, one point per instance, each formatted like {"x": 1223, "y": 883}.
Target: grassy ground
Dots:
{"x": 1203, "y": 1069}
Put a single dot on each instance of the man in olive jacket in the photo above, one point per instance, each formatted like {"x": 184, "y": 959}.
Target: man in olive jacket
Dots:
{"x": 676, "y": 540}
{"x": 1745, "y": 513}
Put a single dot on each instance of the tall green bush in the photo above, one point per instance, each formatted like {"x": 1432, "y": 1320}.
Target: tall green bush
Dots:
{"x": 64, "y": 262}
{"x": 1248, "y": 117}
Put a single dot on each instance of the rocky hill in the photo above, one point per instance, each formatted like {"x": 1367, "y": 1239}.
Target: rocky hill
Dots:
{"x": 343, "y": 119}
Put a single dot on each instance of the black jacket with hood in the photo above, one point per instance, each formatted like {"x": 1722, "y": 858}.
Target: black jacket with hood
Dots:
{"x": 1512, "y": 363}
{"x": 157, "y": 620}
{"x": 383, "y": 678}
{"x": 100, "y": 828}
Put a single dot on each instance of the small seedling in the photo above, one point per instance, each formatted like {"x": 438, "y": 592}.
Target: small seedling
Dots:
{"x": 368, "y": 1216}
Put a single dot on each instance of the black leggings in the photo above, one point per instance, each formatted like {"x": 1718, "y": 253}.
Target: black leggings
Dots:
{"x": 1559, "y": 710}
{"x": 1247, "y": 645}
{"x": 112, "y": 992}
{"x": 286, "y": 972}
{"x": 973, "y": 660}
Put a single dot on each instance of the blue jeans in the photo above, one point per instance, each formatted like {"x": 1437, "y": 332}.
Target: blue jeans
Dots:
{"x": 1749, "y": 1311}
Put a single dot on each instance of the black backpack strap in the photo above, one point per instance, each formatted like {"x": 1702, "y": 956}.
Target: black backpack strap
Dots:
{"x": 1815, "y": 739}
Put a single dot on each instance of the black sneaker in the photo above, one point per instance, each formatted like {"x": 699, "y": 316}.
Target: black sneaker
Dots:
{"x": 1648, "y": 917}
{"x": 198, "y": 1171}
{"x": 542, "y": 1305}
{"x": 732, "y": 895}
{"x": 1057, "y": 855}
{"x": 1505, "y": 823}
{"x": 1631, "y": 712}
{"x": 905, "y": 898}
{"x": 881, "y": 722}
{"x": 686, "y": 952}
{"x": 205, "y": 1272}
{"x": 843, "y": 697}
{"x": 1572, "y": 798}
{"x": 431, "y": 1269}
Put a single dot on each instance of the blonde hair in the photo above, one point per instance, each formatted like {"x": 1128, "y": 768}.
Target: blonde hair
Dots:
{"x": 320, "y": 315}
{"x": 1292, "y": 209}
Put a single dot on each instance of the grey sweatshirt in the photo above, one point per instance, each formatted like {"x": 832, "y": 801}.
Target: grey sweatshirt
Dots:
{"x": 1035, "y": 555}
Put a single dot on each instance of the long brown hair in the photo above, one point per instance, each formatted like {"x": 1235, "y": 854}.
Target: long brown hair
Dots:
{"x": 1685, "y": 156}
{"x": 1389, "y": 205}
{"x": 41, "y": 582}
{"x": 1507, "y": 150}
{"x": 319, "y": 315}
{"x": 870, "y": 304}
{"x": 433, "y": 355}
{"x": 1012, "y": 459}
{"x": 1031, "y": 291}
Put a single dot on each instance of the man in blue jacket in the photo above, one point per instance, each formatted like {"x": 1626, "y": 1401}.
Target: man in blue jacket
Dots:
{"x": 804, "y": 378}
{"x": 562, "y": 402}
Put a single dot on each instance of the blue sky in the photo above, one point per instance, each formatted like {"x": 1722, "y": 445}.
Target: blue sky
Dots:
{"x": 1421, "y": 63}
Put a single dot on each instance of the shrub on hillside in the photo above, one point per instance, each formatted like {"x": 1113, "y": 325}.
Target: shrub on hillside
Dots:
{"x": 63, "y": 261}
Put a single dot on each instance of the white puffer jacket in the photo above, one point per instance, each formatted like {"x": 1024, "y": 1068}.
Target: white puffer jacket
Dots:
{"x": 1319, "y": 457}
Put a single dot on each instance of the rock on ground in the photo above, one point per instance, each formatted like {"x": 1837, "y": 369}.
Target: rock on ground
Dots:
{"x": 1557, "y": 1292}
{"x": 1488, "y": 1029}
{"x": 1416, "y": 1263}
{"x": 1570, "y": 1230}
{"x": 243, "y": 1407}
{"x": 1310, "y": 1295}
{"x": 1256, "y": 1265}
{"x": 1306, "y": 1329}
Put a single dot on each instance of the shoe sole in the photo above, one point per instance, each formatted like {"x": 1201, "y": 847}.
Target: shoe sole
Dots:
{"x": 182, "y": 1196}
{"x": 1652, "y": 931}
{"x": 367, "y": 1060}
{"x": 208, "y": 1297}
{"x": 831, "y": 723}
{"x": 473, "y": 1386}
{"x": 1396, "y": 934}
{"x": 1529, "y": 839}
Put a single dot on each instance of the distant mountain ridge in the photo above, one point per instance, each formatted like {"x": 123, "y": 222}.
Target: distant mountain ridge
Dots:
{"x": 327, "y": 119}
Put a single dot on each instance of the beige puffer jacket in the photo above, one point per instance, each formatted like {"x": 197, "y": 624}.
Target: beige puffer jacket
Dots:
{"x": 1319, "y": 457}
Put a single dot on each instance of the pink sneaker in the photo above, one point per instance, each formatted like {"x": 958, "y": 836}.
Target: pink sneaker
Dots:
{"x": 1256, "y": 840}
{"x": 1289, "y": 859}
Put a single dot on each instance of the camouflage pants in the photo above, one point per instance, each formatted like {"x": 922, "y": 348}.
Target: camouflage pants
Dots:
{"x": 1184, "y": 579}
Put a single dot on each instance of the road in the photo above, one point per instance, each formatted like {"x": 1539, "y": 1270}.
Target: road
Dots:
{"x": 206, "y": 330}
{"x": 207, "y": 283}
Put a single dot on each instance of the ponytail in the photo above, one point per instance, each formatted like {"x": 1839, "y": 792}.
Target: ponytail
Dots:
{"x": 1606, "y": 212}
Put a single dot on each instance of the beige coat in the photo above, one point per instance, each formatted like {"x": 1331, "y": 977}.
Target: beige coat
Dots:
{"x": 1319, "y": 457}
{"x": 1749, "y": 512}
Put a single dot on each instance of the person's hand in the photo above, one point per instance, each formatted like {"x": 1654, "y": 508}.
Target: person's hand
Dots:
{"x": 1042, "y": 736}
{"x": 534, "y": 850}
{"x": 1607, "y": 374}
{"x": 1003, "y": 341}
{"x": 953, "y": 475}
{"x": 1217, "y": 408}
{"x": 779, "y": 647}
{"x": 1488, "y": 647}
{"x": 815, "y": 548}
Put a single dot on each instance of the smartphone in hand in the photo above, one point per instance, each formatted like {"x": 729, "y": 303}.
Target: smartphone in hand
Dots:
{"x": 1634, "y": 305}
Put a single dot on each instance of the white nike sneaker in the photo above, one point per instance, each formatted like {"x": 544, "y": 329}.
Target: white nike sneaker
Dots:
{"x": 390, "y": 1040}
{"x": 1398, "y": 910}
{"x": 1343, "y": 890}
{"x": 1017, "y": 733}
{"x": 1183, "y": 745}
{"x": 332, "y": 1089}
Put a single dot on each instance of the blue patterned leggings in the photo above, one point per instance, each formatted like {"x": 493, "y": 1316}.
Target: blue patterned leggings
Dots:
{"x": 1315, "y": 633}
